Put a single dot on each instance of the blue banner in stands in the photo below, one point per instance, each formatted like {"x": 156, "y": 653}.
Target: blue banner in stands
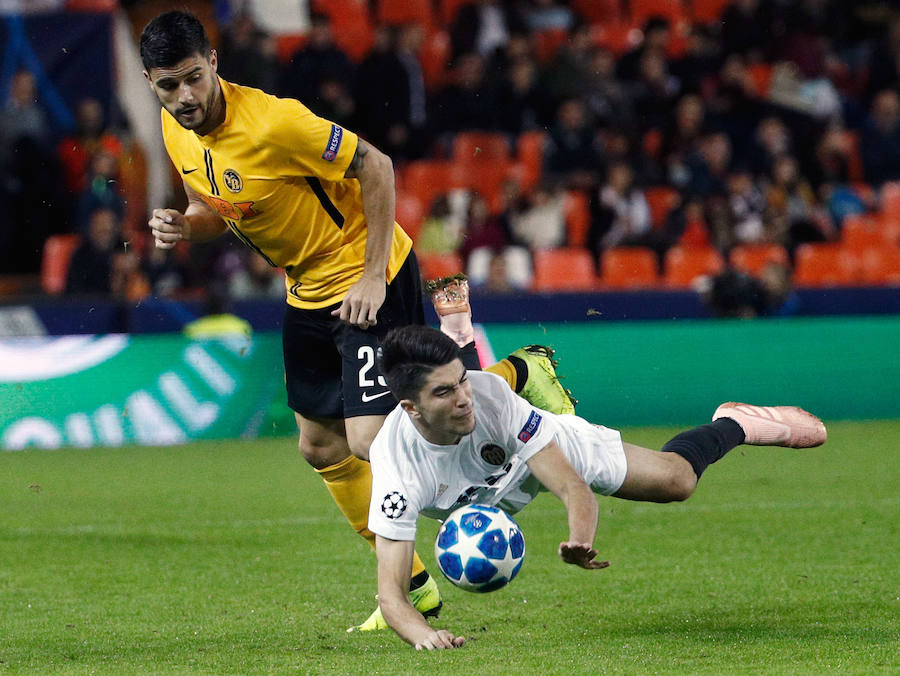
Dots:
{"x": 70, "y": 56}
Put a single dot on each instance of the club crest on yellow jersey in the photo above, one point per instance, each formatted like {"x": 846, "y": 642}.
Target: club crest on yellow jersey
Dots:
{"x": 233, "y": 180}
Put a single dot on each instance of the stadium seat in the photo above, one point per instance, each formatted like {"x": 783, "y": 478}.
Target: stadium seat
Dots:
{"x": 629, "y": 268}
{"x": 426, "y": 179}
{"x": 825, "y": 265}
{"x": 564, "y": 269}
{"x": 450, "y": 8}
{"x": 616, "y": 36}
{"x": 530, "y": 152}
{"x": 683, "y": 265}
{"x": 480, "y": 146}
{"x": 351, "y": 23}
{"x": 434, "y": 57}
{"x": 862, "y": 231}
{"x": 641, "y": 10}
{"x": 578, "y": 217}
{"x": 598, "y": 11}
{"x": 761, "y": 76}
{"x": 661, "y": 199}
{"x": 433, "y": 266}
{"x": 855, "y": 171}
{"x": 57, "y": 255}
{"x": 547, "y": 43}
{"x": 880, "y": 265}
{"x": 395, "y": 12}
{"x": 707, "y": 11}
{"x": 410, "y": 213}
{"x": 752, "y": 258}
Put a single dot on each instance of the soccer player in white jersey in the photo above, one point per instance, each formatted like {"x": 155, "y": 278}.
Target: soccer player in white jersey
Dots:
{"x": 462, "y": 436}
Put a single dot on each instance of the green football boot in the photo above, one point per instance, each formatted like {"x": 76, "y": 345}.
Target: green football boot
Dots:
{"x": 543, "y": 389}
{"x": 426, "y": 599}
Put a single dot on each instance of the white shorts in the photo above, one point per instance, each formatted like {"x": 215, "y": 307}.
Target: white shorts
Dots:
{"x": 610, "y": 462}
{"x": 596, "y": 452}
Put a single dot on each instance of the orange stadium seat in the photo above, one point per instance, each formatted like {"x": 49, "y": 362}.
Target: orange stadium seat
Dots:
{"x": 629, "y": 268}
{"x": 616, "y": 36}
{"x": 450, "y": 8}
{"x": 598, "y": 11}
{"x": 57, "y": 255}
{"x": 683, "y": 265}
{"x": 761, "y": 76}
{"x": 480, "y": 146}
{"x": 825, "y": 265}
{"x": 578, "y": 217}
{"x": 547, "y": 42}
{"x": 564, "y": 269}
{"x": 707, "y": 11}
{"x": 426, "y": 179}
{"x": 880, "y": 265}
{"x": 410, "y": 213}
{"x": 752, "y": 258}
{"x": 434, "y": 57}
{"x": 433, "y": 266}
{"x": 855, "y": 169}
{"x": 530, "y": 152}
{"x": 405, "y": 11}
{"x": 661, "y": 200}
{"x": 641, "y": 10}
{"x": 351, "y": 23}
{"x": 861, "y": 231}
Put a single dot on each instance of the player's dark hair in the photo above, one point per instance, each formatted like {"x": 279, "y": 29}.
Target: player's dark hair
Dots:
{"x": 171, "y": 38}
{"x": 409, "y": 354}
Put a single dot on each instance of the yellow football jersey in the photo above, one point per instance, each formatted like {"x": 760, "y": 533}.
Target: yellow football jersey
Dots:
{"x": 274, "y": 171}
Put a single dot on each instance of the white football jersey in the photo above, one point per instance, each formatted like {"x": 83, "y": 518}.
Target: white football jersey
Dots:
{"x": 412, "y": 476}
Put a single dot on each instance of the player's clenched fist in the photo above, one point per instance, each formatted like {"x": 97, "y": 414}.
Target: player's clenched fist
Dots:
{"x": 168, "y": 227}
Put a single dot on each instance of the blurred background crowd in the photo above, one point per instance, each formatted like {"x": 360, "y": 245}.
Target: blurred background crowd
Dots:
{"x": 737, "y": 147}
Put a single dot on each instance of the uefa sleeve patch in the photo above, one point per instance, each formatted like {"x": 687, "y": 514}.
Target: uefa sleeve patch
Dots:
{"x": 334, "y": 143}
{"x": 534, "y": 420}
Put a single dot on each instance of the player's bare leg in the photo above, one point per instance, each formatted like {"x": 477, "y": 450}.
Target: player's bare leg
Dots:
{"x": 672, "y": 473}
{"x": 530, "y": 371}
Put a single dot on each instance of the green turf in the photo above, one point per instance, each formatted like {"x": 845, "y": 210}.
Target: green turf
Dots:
{"x": 229, "y": 558}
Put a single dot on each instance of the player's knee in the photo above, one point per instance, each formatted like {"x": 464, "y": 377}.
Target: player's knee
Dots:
{"x": 681, "y": 484}
{"x": 320, "y": 453}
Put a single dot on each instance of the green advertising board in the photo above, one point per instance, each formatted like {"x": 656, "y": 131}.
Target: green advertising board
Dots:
{"x": 165, "y": 389}
{"x": 113, "y": 390}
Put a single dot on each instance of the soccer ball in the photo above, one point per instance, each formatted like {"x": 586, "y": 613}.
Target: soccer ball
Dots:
{"x": 479, "y": 548}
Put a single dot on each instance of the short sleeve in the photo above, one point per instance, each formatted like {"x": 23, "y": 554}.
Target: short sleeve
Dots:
{"x": 394, "y": 507}
{"x": 312, "y": 144}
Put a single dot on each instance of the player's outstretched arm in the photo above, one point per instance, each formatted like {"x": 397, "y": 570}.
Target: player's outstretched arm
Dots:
{"x": 394, "y": 568}
{"x": 375, "y": 173}
{"x": 554, "y": 471}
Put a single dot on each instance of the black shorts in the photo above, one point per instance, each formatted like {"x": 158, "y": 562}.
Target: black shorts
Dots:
{"x": 330, "y": 367}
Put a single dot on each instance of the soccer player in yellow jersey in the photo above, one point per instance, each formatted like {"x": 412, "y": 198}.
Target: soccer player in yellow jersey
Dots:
{"x": 313, "y": 198}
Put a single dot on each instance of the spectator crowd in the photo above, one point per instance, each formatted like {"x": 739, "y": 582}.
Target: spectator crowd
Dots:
{"x": 518, "y": 126}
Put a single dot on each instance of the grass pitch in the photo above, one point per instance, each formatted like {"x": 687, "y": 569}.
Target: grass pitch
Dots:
{"x": 230, "y": 558}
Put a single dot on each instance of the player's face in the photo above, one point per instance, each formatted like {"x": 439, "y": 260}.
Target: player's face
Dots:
{"x": 190, "y": 91}
{"x": 443, "y": 411}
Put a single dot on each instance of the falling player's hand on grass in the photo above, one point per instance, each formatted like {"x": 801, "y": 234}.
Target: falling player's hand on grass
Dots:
{"x": 580, "y": 554}
{"x": 362, "y": 302}
{"x": 440, "y": 640}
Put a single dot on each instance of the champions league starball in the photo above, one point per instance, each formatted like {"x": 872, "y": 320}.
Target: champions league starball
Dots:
{"x": 479, "y": 548}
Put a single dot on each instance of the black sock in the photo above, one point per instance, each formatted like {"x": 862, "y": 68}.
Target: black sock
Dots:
{"x": 703, "y": 445}
{"x": 468, "y": 355}
{"x": 521, "y": 372}
{"x": 418, "y": 580}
